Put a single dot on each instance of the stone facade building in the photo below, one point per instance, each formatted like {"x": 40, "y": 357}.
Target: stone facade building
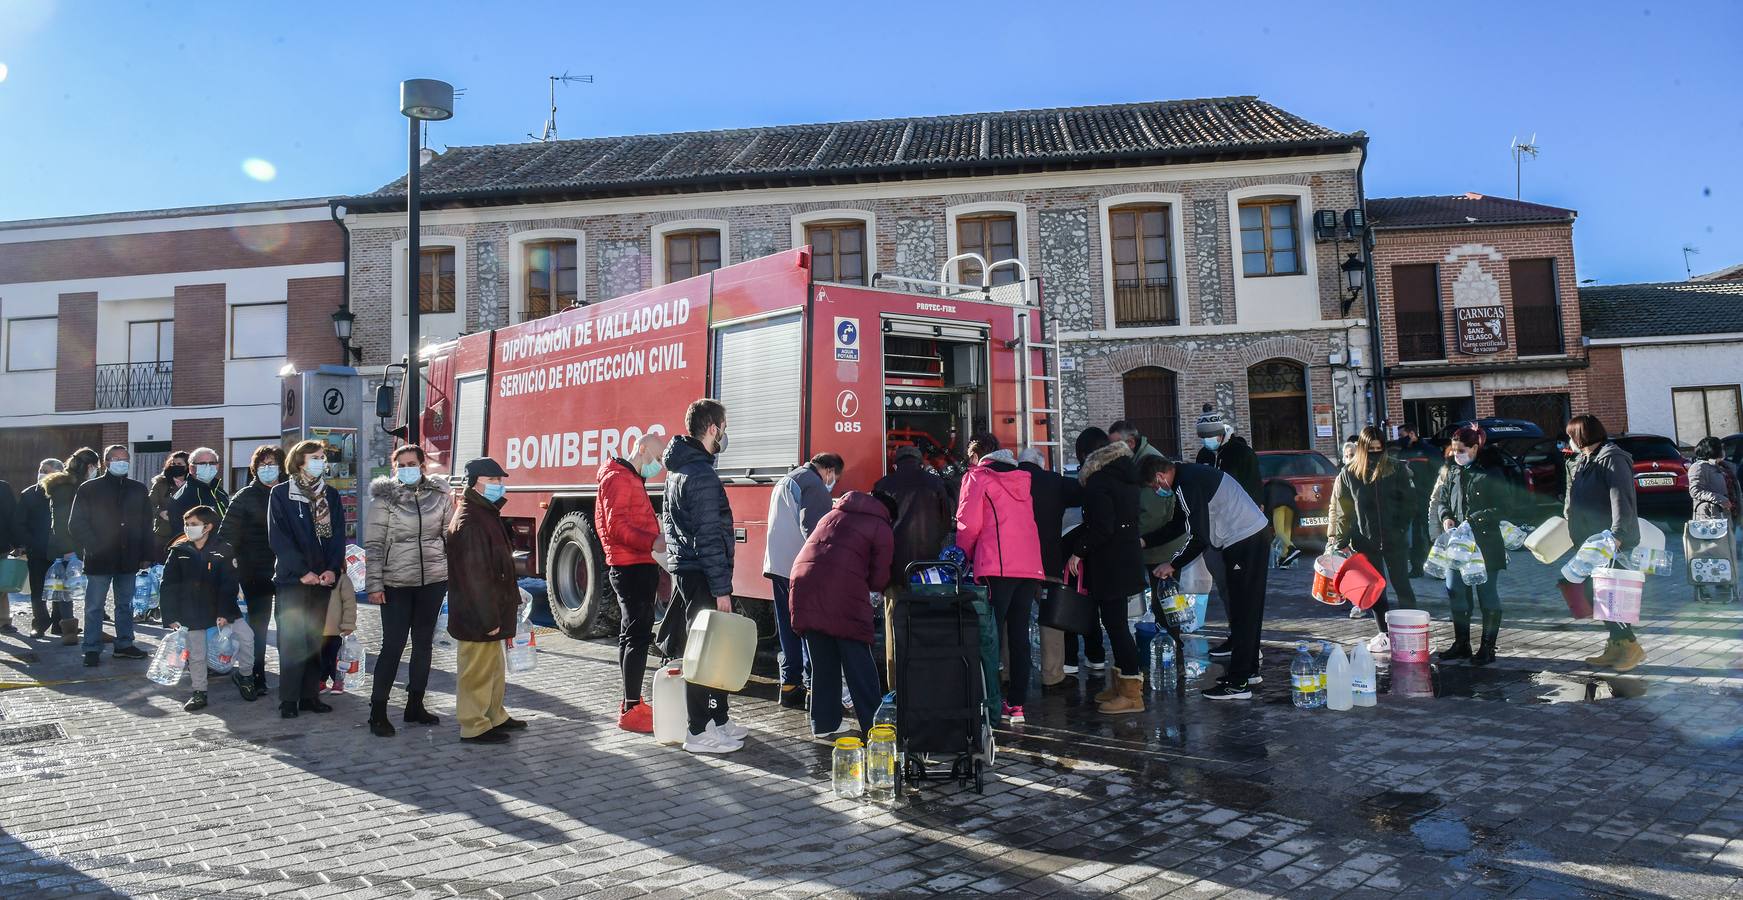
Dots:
{"x": 1174, "y": 241}
{"x": 1479, "y": 311}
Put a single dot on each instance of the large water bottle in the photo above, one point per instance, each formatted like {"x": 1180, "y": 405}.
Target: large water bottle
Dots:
{"x": 1161, "y": 661}
{"x": 1462, "y": 545}
{"x": 1195, "y": 657}
{"x": 847, "y": 771}
{"x": 886, "y": 714}
{"x": 171, "y": 659}
{"x": 523, "y": 651}
{"x": 1597, "y": 551}
{"x": 1338, "y": 687}
{"x": 1364, "y": 681}
{"x": 880, "y": 764}
{"x": 1436, "y": 565}
{"x": 351, "y": 665}
{"x": 443, "y": 638}
{"x": 1474, "y": 571}
{"x": 56, "y": 578}
{"x": 220, "y": 650}
{"x": 75, "y": 579}
{"x": 1512, "y": 536}
{"x": 141, "y": 593}
{"x": 1306, "y": 684}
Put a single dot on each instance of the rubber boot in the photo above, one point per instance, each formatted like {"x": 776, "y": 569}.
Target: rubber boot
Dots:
{"x": 1461, "y": 645}
{"x": 1631, "y": 655}
{"x": 415, "y": 714}
{"x": 1491, "y": 631}
{"x": 1612, "y": 653}
{"x": 1130, "y": 698}
{"x": 1113, "y": 689}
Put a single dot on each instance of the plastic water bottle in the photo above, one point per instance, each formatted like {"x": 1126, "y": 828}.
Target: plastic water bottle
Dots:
{"x": 1512, "y": 536}
{"x": 1463, "y": 544}
{"x": 880, "y": 764}
{"x": 1436, "y": 565}
{"x": 1196, "y": 657}
{"x": 220, "y": 650}
{"x": 351, "y": 665}
{"x": 1364, "y": 682}
{"x": 1161, "y": 660}
{"x": 1597, "y": 551}
{"x": 1338, "y": 687}
{"x": 1306, "y": 684}
{"x": 443, "y": 638}
{"x": 171, "y": 659}
{"x": 886, "y": 714}
{"x": 56, "y": 578}
{"x": 523, "y": 651}
{"x": 1474, "y": 571}
{"x": 141, "y": 593}
{"x": 75, "y": 579}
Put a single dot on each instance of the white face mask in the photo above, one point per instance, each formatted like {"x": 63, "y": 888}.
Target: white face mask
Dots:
{"x": 193, "y": 531}
{"x": 1463, "y": 459}
{"x": 315, "y": 468}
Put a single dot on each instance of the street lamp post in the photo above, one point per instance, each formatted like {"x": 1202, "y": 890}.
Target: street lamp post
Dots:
{"x": 420, "y": 100}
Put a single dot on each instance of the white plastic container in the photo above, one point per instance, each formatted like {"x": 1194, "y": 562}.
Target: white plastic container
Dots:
{"x": 1364, "y": 681}
{"x": 719, "y": 650}
{"x": 1409, "y": 631}
{"x": 1550, "y": 541}
{"x": 671, "y": 716}
{"x": 1338, "y": 695}
{"x": 1651, "y": 536}
{"x": 1616, "y": 595}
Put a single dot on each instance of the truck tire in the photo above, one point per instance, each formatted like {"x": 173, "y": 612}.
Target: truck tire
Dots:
{"x": 575, "y": 575}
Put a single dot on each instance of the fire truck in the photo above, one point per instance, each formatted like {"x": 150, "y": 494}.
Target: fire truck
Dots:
{"x": 802, "y": 366}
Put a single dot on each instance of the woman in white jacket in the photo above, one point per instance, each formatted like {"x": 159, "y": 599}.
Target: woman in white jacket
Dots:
{"x": 407, "y": 566}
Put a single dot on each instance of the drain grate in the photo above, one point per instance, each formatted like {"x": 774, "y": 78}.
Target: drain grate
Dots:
{"x": 30, "y": 734}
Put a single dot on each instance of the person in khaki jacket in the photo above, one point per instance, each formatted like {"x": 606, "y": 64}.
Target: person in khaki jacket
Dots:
{"x": 407, "y": 567}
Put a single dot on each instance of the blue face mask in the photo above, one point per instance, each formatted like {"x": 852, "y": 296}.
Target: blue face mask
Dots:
{"x": 315, "y": 468}
{"x": 118, "y": 468}
{"x": 650, "y": 469}
{"x": 1164, "y": 492}
{"x": 1212, "y": 443}
{"x": 408, "y": 475}
{"x": 267, "y": 474}
{"x": 206, "y": 472}
{"x": 492, "y": 492}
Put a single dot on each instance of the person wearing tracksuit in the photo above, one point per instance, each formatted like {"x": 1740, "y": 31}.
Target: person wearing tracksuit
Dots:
{"x": 1215, "y": 512}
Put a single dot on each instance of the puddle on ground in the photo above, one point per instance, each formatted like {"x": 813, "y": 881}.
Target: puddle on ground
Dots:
{"x": 1524, "y": 686}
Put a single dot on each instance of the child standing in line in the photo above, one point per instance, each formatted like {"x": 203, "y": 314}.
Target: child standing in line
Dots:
{"x": 199, "y": 592}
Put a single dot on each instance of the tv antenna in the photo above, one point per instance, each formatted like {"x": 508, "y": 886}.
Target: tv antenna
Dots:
{"x": 1520, "y": 151}
{"x": 425, "y": 131}
{"x": 1687, "y": 251}
{"x": 550, "y": 133}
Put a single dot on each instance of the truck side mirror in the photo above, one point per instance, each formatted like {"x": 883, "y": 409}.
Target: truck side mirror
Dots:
{"x": 384, "y": 405}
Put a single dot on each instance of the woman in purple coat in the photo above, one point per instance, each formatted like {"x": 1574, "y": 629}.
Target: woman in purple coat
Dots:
{"x": 843, "y": 565}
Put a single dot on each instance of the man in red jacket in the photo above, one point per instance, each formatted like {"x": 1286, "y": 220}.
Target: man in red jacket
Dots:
{"x": 630, "y": 533}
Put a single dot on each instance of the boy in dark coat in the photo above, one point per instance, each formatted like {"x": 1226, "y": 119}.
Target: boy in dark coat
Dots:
{"x": 483, "y": 599}
{"x": 842, "y": 565}
{"x": 199, "y": 592}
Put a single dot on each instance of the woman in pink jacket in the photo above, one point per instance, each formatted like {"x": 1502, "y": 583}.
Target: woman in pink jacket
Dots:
{"x": 995, "y": 527}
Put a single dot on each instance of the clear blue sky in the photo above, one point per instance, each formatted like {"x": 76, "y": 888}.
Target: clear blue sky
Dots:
{"x": 1638, "y": 107}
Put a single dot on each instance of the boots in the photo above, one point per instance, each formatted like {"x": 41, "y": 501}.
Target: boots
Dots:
{"x": 378, "y": 723}
{"x": 1113, "y": 689}
{"x": 70, "y": 632}
{"x": 1612, "y": 653}
{"x": 1491, "y": 631}
{"x": 415, "y": 714}
{"x": 1129, "y": 699}
{"x": 1631, "y": 655}
{"x": 1461, "y": 645}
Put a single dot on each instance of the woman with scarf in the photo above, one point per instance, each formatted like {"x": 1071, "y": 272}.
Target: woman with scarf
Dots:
{"x": 306, "y": 528}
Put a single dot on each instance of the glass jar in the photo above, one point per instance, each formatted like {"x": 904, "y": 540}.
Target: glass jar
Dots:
{"x": 848, "y": 773}
{"x": 881, "y": 762}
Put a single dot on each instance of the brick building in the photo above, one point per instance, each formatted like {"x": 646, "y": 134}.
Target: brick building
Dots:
{"x": 160, "y": 329}
{"x": 1666, "y": 358}
{"x": 1479, "y": 313}
{"x": 1174, "y": 241}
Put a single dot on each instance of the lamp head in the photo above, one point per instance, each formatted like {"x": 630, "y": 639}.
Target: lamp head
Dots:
{"x": 427, "y": 99}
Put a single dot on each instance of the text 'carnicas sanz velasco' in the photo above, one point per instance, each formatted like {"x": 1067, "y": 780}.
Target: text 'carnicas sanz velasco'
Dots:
{"x": 613, "y": 364}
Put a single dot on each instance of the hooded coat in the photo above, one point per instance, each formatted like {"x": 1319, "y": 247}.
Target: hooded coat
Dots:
{"x": 995, "y": 520}
{"x": 1472, "y": 494}
{"x": 845, "y": 561}
{"x": 62, "y": 489}
{"x": 695, "y": 517}
{"x": 1374, "y": 516}
{"x": 34, "y": 526}
{"x": 923, "y": 513}
{"x": 624, "y": 517}
{"x": 403, "y": 538}
{"x": 1108, "y": 542}
{"x": 483, "y": 593}
{"x": 1600, "y": 495}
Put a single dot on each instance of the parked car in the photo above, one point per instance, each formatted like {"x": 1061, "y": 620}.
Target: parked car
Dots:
{"x": 1493, "y": 429}
{"x": 1733, "y": 444}
{"x": 1537, "y": 468}
{"x": 1661, "y": 474}
{"x": 1309, "y": 475}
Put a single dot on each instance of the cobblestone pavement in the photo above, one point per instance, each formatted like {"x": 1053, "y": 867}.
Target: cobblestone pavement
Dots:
{"x": 1533, "y": 778}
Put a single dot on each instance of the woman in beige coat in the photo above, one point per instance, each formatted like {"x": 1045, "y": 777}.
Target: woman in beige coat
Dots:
{"x": 407, "y": 577}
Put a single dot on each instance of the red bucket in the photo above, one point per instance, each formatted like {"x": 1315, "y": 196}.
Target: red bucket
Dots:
{"x": 1578, "y": 604}
{"x": 1359, "y": 582}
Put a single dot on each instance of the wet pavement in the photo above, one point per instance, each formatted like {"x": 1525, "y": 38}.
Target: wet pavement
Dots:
{"x": 1536, "y": 777}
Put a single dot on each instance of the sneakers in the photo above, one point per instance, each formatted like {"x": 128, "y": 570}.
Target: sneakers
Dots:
{"x": 711, "y": 741}
{"x": 1069, "y": 670}
{"x": 245, "y": 685}
{"x": 792, "y": 697}
{"x": 1225, "y": 690}
{"x": 1356, "y": 612}
{"x": 130, "y": 653}
{"x": 840, "y": 730}
{"x": 1221, "y": 651}
{"x": 1098, "y": 667}
{"x": 195, "y": 703}
{"x": 638, "y": 718}
{"x": 328, "y": 685}
{"x": 733, "y": 731}
{"x": 1014, "y": 714}
{"x": 1380, "y": 643}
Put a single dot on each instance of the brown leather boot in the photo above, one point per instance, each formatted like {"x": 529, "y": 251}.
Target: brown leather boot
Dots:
{"x": 1129, "y": 700}
{"x": 1631, "y": 656}
{"x": 1612, "y": 653}
{"x": 1113, "y": 688}
{"x": 70, "y": 632}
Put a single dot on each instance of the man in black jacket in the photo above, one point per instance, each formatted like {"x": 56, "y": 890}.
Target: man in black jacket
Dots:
{"x": 111, "y": 525}
{"x": 244, "y": 529}
{"x": 696, "y": 521}
{"x": 204, "y": 487}
{"x": 34, "y": 529}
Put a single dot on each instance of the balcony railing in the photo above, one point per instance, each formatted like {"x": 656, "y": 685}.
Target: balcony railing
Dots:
{"x": 134, "y": 385}
{"x": 1144, "y": 301}
{"x": 1420, "y": 337}
{"x": 1537, "y": 330}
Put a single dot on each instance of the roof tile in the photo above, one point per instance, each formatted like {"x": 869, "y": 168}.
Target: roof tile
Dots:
{"x": 1459, "y": 210}
{"x": 1665, "y": 309}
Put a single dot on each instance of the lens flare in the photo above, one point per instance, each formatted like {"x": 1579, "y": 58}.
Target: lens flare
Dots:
{"x": 3, "y": 71}
{"x": 259, "y": 169}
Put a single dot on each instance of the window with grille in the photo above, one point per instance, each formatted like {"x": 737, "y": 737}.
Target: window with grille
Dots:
{"x": 1268, "y": 238}
{"x": 1143, "y": 266}
{"x": 691, "y": 253}
{"x": 1416, "y": 311}
{"x": 552, "y": 285}
{"x": 994, "y": 237}
{"x": 1152, "y": 404}
{"x": 436, "y": 280}
{"x": 1536, "y": 309}
{"x": 837, "y": 251}
{"x": 1705, "y": 412}
{"x": 1277, "y": 402}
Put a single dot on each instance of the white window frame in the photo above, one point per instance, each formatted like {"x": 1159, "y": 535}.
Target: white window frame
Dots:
{"x": 1306, "y": 246}
{"x": 951, "y": 239}
{"x": 517, "y": 265}
{"x": 657, "y": 237}
{"x": 461, "y": 298}
{"x": 230, "y": 345}
{"x": 800, "y": 220}
{"x": 1176, "y": 250}
{"x": 55, "y": 345}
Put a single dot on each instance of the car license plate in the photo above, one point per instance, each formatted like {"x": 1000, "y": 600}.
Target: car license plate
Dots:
{"x": 1311, "y": 521}
{"x": 1656, "y": 480}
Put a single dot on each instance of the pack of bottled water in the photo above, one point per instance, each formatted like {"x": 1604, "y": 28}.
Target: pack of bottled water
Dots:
{"x": 171, "y": 658}
{"x": 1462, "y": 545}
{"x": 1439, "y": 562}
{"x": 56, "y": 578}
{"x": 1512, "y": 536}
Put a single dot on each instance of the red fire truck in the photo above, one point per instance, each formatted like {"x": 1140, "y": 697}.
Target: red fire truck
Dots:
{"x": 802, "y": 366}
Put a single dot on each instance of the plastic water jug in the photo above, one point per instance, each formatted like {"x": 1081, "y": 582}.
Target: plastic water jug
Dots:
{"x": 1364, "y": 680}
{"x": 1463, "y": 544}
{"x": 1338, "y": 689}
{"x": 1409, "y": 632}
{"x": 1550, "y": 540}
{"x": 1177, "y": 610}
{"x": 1597, "y": 551}
{"x": 719, "y": 649}
{"x": 1195, "y": 657}
{"x": 886, "y": 714}
{"x": 221, "y": 650}
{"x": 1512, "y": 536}
{"x": 880, "y": 764}
{"x": 75, "y": 579}
{"x": 351, "y": 665}
{"x": 171, "y": 658}
{"x": 1616, "y": 595}
{"x": 1474, "y": 571}
{"x": 1306, "y": 684}
{"x": 847, "y": 774}
{"x": 671, "y": 716}
{"x": 1435, "y": 566}
{"x": 1325, "y": 573}
{"x": 523, "y": 650}
{"x": 443, "y": 638}
{"x": 1161, "y": 661}
{"x": 56, "y": 578}
{"x": 1651, "y": 561}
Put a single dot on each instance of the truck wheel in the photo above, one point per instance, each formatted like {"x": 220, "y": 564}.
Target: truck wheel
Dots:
{"x": 575, "y": 566}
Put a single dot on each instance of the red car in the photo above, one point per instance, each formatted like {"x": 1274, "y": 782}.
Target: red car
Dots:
{"x": 1301, "y": 479}
{"x": 1661, "y": 474}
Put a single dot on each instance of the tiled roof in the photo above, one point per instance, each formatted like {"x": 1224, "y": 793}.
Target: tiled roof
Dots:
{"x": 1459, "y": 210}
{"x": 1024, "y": 140}
{"x": 1661, "y": 310}
{"x": 1729, "y": 273}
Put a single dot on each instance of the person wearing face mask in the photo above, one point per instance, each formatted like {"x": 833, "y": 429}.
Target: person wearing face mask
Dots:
{"x": 203, "y": 487}
{"x": 995, "y": 527}
{"x": 696, "y": 521}
{"x": 111, "y": 526}
{"x": 34, "y": 529}
{"x": 483, "y": 604}
{"x": 629, "y": 532}
{"x": 164, "y": 485}
{"x": 244, "y": 529}
{"x": 305, "y": 526}
{"x": 62, "y": 488}
{"x": 1372, "y": 500}
{"x": 199, "y": 592}
{"x": 1469, "y": 490}
{"x": 799, "y": 501}
{"x": 1230, "y": 455}
{"x": 1600, "y": 495}
{"x": 406, "y": 564}
{"x": 1110, "y": 557}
